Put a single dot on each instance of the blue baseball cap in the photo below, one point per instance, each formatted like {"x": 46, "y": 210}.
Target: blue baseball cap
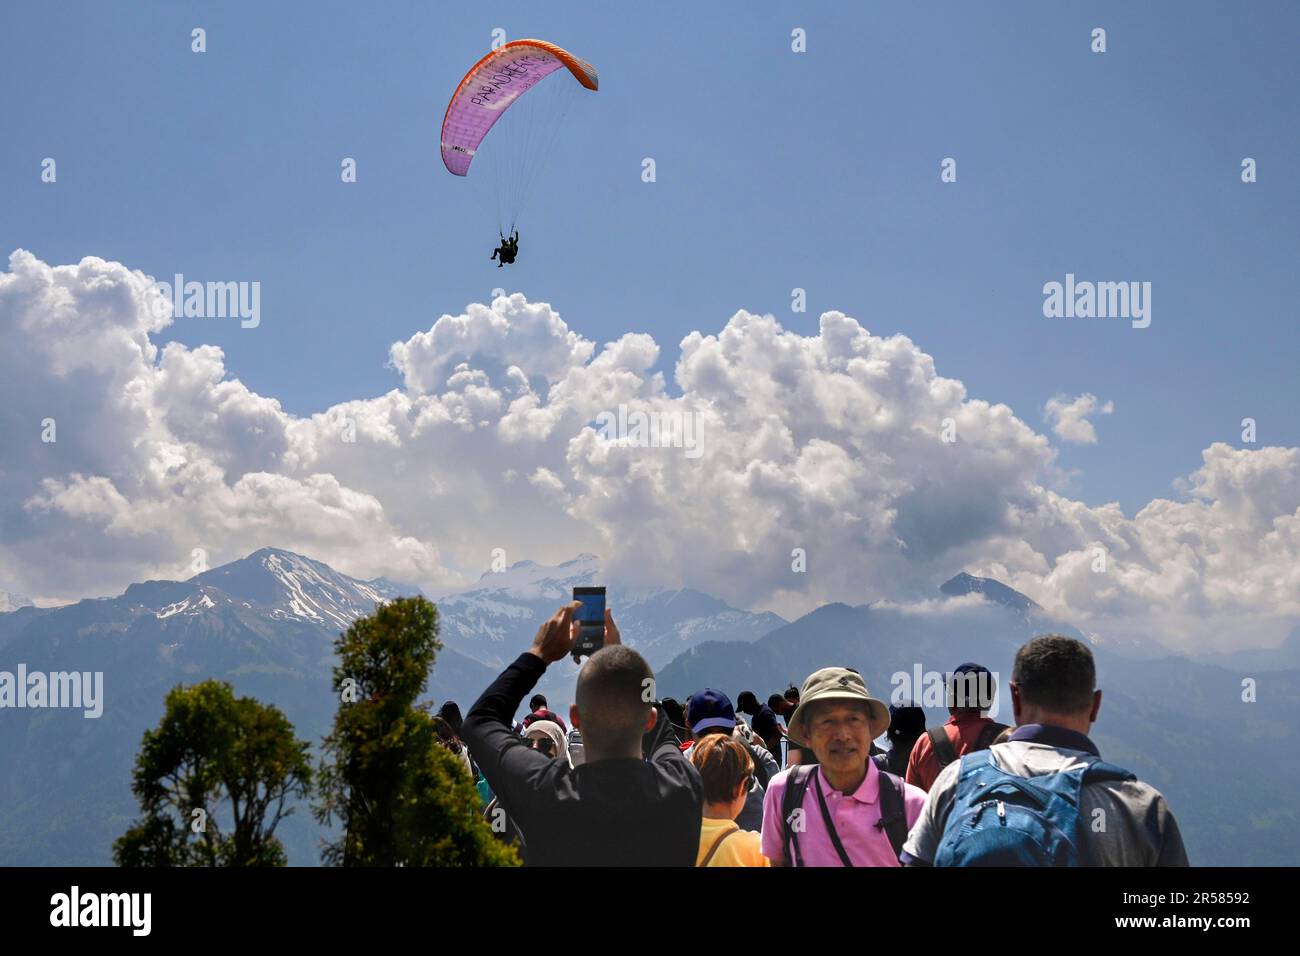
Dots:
{"x": 710, "y": 708}
{"x": 985, "y": 685}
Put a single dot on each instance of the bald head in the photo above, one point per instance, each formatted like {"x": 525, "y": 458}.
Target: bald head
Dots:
{"x": 611, "y": 699}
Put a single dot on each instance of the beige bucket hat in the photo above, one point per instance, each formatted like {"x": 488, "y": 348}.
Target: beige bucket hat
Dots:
{"x": 837, "y": 683}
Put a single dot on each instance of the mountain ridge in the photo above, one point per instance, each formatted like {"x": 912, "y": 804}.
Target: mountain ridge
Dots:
{"x": 270, "y": 636}
{"x": 266, "y": 624}
{"x": 10, "y": 601}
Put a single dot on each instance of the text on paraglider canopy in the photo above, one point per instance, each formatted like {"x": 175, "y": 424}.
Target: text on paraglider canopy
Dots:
{"x": 517, "y": 76}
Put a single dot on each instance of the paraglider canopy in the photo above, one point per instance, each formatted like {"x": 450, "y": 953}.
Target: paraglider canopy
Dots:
{"x": 493, "y": 85}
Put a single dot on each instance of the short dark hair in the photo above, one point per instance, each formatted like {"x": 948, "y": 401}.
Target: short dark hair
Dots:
{"x": 676, "y": 712}
{"x": 450, "y": 712}
{"x": 906, "y": 722}
{"x": 776, "y": 701}
{"x": 792, "y": 694}
{"x": 610, "y": 697}
{"x": 747, "y": 701}
{"x": 1055, "y": 673}
{"x": 538, "y": 701}
{"x": 446, "y": 736}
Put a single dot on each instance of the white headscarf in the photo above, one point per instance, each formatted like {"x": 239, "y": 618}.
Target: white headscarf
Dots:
{"x": 549, "y": 728}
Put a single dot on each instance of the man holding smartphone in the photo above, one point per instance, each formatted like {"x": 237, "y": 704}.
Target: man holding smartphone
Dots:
{"x": 634, "y": 801}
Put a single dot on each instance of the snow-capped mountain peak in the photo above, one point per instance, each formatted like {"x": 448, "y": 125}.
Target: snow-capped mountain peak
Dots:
{"x": 292, "y": 585}
{"x": 12, "y": 602}
{"x": 528, "y": 580}
{"x": 497, "y": 617}
{"x": 990, "y": 589}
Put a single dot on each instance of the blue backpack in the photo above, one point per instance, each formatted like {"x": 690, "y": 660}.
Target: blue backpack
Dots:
{"x": 1001, "y": 819}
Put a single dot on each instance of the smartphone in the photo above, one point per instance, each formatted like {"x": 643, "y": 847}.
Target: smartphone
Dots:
{"x": 591, "y": 621}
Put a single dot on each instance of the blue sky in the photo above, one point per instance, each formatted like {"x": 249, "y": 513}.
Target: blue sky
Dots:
{"x": 775, "y": 170}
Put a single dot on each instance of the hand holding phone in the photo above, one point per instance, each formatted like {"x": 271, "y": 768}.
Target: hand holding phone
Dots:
{"x": 555, "y": 637}
{"x": 590, "y": 619}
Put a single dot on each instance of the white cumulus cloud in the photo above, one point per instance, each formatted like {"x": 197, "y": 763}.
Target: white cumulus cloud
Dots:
{"x": 1069, "y": 417}
{"x": 836, "y": 443}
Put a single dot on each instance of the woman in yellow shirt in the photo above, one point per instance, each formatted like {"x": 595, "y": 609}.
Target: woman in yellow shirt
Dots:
{"x": 725, "y": 767}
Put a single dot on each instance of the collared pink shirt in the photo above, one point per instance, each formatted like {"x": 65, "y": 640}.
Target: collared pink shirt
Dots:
{"x": 854, "y": 815}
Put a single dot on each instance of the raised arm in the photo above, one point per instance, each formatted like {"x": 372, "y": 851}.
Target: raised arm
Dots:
{"x": 511, "y": 766}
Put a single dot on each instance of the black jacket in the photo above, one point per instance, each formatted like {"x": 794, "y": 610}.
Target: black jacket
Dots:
{"x": 619, "y": 812}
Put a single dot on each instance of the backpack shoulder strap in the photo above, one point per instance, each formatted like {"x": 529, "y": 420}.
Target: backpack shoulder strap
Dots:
{"x": 717, "y": 844}
{"x": 760, "y": 771}
{"x": 1099, "y": 770}
{"x": 941, "y": 745}
{"x": 988, "y": 734}
{"x": 975, "y": 773}
{"x": 893, "y": 811}
{"x": 974, "y": 760}
{"x": 968, "y": 777}
{"x": 796, "y": 785}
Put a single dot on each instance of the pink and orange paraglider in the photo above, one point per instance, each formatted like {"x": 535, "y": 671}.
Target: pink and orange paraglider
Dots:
{"x": 504, "y": 82}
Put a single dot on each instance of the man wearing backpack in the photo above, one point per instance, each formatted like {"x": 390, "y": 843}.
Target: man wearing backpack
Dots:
{"x": 539, "y": 711}
{"x": 1045, "y": 797}
{"x": 843, "y": 811}
{"x": 711, "y": 712}
{"x": 971, "y": 689}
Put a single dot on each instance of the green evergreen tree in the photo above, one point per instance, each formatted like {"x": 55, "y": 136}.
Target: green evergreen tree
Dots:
{"x": 214, "y": 757}
{"x": 400, "y": 797}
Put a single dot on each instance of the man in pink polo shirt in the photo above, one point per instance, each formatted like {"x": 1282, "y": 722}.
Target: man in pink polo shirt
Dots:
{"x": 843, "y": 811}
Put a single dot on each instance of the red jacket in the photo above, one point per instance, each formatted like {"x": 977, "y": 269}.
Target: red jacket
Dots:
{"x": 541, "y": 713}
{"x": 963, "y": 731}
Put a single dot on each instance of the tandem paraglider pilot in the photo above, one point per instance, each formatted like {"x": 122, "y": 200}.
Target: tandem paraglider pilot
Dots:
{"x": 508, "y": 249}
